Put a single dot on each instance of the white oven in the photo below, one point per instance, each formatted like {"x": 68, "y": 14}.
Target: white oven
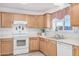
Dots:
{"x": 21, "y": 44}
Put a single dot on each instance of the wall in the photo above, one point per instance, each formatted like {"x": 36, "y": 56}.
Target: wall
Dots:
{"x": 5, "y": 31}
{"x": 33, "y": 31}
{"x": 8, "y": 31}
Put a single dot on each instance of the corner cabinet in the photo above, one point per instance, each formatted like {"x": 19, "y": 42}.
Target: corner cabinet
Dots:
{"x": 47, "y": 20}
{"x": 47, "y": 47}
{"x": 7, "y": 19}
{"x": 33, "y": 44}
{"x": 43, "y": 45}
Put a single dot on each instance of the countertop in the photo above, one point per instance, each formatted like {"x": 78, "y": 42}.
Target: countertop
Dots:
{"x": 66, "y": 40}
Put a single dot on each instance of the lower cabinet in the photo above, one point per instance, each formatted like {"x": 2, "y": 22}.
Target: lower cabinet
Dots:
{"x": 51, "y": 48}
{"x": 64, "y": 49}
{"x": 33, "y": 44}
{"x": 0, "y": 47}
{"x": 75, "y": 50}
{"x": 43, "y": 45}
{"x": 6, "y": 46}
{"x": 47, "y": 47}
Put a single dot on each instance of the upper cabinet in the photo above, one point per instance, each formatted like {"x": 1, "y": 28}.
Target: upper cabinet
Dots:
{"x": 40, "y": 21}
{"x": 75, "y": 14}
{"x": 19, "y": 17}
{"x": 47, "y": 20}
{"x": 35, "y": 21}
{"x": 32, "y": 23}
{"x": 0, "y": 19}
{"x": 7, "y": 19}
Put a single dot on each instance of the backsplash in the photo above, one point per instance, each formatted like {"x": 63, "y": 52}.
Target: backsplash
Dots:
{"x": 67, "y": 34}
{"x": 8, "y": 31}
{"x": 48, "y": 32}
{"x": 5, "y": 31}
{"x": 33, "y": 31}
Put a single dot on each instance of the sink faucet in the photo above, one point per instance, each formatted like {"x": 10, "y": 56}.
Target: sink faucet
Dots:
{"x": 59, "y": 36}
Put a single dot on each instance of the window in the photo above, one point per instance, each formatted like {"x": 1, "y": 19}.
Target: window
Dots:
{"x": 58, "y": 24}
{"x": 67, "y": 25}
{"x": 61, "y": 24}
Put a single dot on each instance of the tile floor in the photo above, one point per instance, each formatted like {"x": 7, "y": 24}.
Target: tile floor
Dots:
{"x": 32, "y": 54}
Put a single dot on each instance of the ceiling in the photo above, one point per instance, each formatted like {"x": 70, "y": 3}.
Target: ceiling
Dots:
{"x": 31, "y": 8}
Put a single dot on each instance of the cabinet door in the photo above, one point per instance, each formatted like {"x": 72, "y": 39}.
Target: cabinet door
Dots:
{"x": 0, "y": 19}
{"x": 32, "y": 22}
{"x": 34, "y": 44}
{"x": 7, "y": 47}
{"x": 41, "y": 45}
{"x": 7, "y": 19}
{"x": 20, "y": 17}
{"x": 36, "y": 21}
{"x": 75, "y": 15}
{"x": 52, "y": 48}
{"x": 47, "y": 20}
{"x": 45, "y": 46}
{"x": 75, "y": 51}
{"x": 64, "y": 49}
{"x": 40, "y": 21}
{"x": 0, "y": 47}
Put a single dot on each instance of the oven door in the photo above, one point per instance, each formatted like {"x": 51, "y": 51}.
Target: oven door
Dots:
{"x": 21, "y": 43}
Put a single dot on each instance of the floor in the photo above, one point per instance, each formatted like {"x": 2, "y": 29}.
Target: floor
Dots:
{"x": 32, "y": 54}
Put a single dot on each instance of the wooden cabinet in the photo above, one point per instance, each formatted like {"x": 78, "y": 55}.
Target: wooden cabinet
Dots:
{"x": 75, "y": 14}
{"x": 7, "y": 19}
{"x": 47, "y": 20}
{"x": 36, "y": 21}
{"x": 75, "y": 51}
{"x": 19, "y": 17}
{"x": 32, "y": 22}
{"x": 40, "y": 21}
{"x": 51, "y": 48}
{"x": 0, "y": 20}
{"x": 47, "y": 47}
{"x": 43, "y": 45}
{"x": 0, "y": 47}
{"x": 6, "y": 46}
{"x": 33, "y": 44}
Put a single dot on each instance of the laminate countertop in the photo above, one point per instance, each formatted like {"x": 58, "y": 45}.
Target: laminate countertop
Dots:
{"x": 66, "y": 40}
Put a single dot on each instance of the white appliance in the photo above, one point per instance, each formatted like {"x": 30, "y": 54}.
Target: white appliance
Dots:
{"x": 64, "y": 49}
{"x": 21, "y": 40}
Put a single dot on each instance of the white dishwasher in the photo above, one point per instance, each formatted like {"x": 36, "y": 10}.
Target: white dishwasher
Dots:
{"x": 64, "y": 49}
